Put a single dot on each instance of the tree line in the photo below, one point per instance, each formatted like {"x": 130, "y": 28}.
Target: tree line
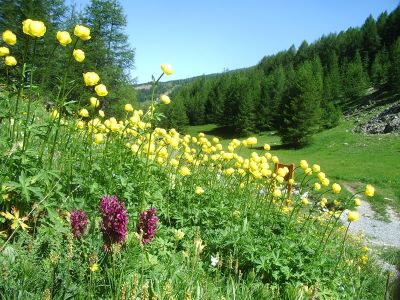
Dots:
{"x": 296, "y": 92}
{"x": 107, "y": 51}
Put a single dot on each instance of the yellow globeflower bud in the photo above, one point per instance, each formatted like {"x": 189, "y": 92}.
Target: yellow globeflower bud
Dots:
{"x": 80, "y": 124}
{"x": 353, "y": 216}
{"x": 252, "y": 141}
{"x": 9, "y": 37}
{"x": 184, "y": 171}
{"x": 98, "y": 138}
{"x": 37, "y": 28}
{"x": 275, "y": 159}
{"x": 10, "y": 61}
{"x": 277, "y": 193}
{"x": 357, "y": 202}
{"x": 101, "y": 90}
{"x": 54, "y": 114}
{"x": 94, "y": 102}
{"x": 84, "y": 113}
{"x": 4, "y": 51}
{"x": 128, "y": 107}
{"x": 325, "y": 182}
{"x": 91, "y": 78}
{"x": 336, "y": 188}
{"x": 101, "y": 113}
{"x": 165, "y": 99}
{"x": 167, "y": 69}
{"x": 79, "y": 55}
{"x": 82, "y": 32}
{"x": 25, "y": 26}
{"x": 199, "y": 190}
{"x": 303, "y": 164}
{"x": 267, "y": 147}
{"x": 94, "y": 267}
{"x": 316, "y": 168}
{"x": 63, "y": 38}
{"x": 369, "y": 190}
{"x": 317, "y": 186}
{"x": 305, "y": 201}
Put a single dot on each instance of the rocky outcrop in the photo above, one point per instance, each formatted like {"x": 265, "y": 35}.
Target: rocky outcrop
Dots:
{"x": 387, "y": 121}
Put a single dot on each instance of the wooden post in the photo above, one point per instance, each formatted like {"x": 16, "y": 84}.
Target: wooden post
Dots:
{"x": 289, "y": 175}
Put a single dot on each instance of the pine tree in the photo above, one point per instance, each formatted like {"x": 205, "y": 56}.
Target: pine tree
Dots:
{"x": 394, "y": 76}
{"x": 355, "y": 78}
{"x": 301, "y": 109}
{"x": 380, "y": 68}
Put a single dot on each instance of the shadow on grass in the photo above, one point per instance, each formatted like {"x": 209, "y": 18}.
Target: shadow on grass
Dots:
{"x": 224, "y": 132}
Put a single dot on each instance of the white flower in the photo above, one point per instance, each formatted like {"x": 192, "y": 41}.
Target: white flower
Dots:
{"x": 214, "y": 260}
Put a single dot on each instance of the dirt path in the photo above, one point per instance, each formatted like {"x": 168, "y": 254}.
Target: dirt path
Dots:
{"x": 377, "y": 232}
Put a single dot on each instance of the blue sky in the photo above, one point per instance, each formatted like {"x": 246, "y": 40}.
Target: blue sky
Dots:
{"x": 208, "y": 36}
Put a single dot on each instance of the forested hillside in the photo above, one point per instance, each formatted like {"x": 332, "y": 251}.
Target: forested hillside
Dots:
{"x": 297, "y": 91}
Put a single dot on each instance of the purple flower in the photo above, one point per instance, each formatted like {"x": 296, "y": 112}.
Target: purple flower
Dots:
{"x": 79, "y": 222}
{"x": 147, "y": 225}
{"x": 114, "y": 220}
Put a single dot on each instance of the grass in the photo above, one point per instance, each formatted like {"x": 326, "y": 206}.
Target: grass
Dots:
{"x": 343, "y": 155}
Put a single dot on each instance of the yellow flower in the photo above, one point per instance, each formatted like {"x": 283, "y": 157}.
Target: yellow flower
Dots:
{"x": 10, "y": 61}
{"x": 37, "y": 28}
{"x": 82, "y": 32}
{"x": 357, "y": 202}
{"x": 98, "y": 138}
{"x": 252, "y": 141}
{"x": 9, "y": 37}
{"x": 94, "y": 267}
{"x": 369, "y": 190}
{"x": 84, "y": 113}
{"x": 91, "y": 78}
{"x": 336, "y": 188}
{"x": 128, "y": 107}
{"x": 101, "y": 113}
{"x": 25, "y": 26}
{"x": 277, "y": 193}
{"x": 94, "y": 102}
{"x": 63, "y": 38}
{"x": 101, "y": 90}
{"x": 305, "y": 201}
{"x": 174, "y": 162}
{"x": 4, "y": 51}
{"x": 79, "y": 55}
{"x": 80, "y": 124}
{"x": 199, "y": 190}
{"x": 167, "y": 69}
{"x": 317, "y": 186}
{"x": 179, "y": 234}
{"x": 303, "y": 164}
{"x": 364, "y": 259}
{"x": 325, "y": 182}
{"x": 165, "y": 99}
{"x": 16, "y": 220}
{"x": 275, "y": 159}
{"x": 55, "y": 114}
{"x": 184, "y": 171}
{"x": 353, "y": 216}
{"x": 316, "y": 168}
{"x": 267, "y": 147}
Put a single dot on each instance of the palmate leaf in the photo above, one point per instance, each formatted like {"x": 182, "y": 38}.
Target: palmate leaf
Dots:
{"x": 16, "y": 221}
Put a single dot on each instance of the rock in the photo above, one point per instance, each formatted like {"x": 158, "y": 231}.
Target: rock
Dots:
{"x": 387, "y": 121}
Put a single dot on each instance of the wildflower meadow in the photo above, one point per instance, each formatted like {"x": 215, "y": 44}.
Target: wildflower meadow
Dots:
{"x": 98, "y": 207}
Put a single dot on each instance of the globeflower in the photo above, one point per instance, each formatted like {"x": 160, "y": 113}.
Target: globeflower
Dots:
{"x": 167, "y": 69}
{"x": 79, "y": 55}
{"x": 179, "y": 234}
{"x": 84, "y": 113}
{"x": 369, "y": 190}
{"x": 25, "y": 26}
{"x": 4, "y": 51}
{"x": 9, "y": 37}
{"x": 98, "y": 138}
{"x": 303, "y": 164}
{"x": 336, "y": 188}
{"x": 91, "y": 78}
{"x": 63, "y": 38}
{"x": 357, "y": 202}
{"x": 199, "y": 190}
{"x": 128, "y": 107}
{"x": 94, "y": 102}
{"x": 79, "y": 222}
{"x": 184, "y": 171}
{"x": 353, "y": 216}
{"x": 101, "y": 90}
{"x": 267, "y": 147}
{"x": 10, "y": 61}
{"x": 147, "y": 225}
{"x": 36, "y": 28}
{"x": 165, "y": 99}
{"x": 114, "y": 221}
{"x": 82, "y": 32}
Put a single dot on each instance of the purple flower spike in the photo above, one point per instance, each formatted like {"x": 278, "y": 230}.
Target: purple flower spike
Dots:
{"x": 114, "y": 222}
{"x": 79, "y": 222}
{"x": 147, "y": 225}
